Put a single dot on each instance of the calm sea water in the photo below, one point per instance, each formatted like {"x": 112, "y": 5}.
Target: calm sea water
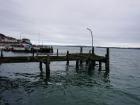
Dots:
{"x": 22, "y": 84}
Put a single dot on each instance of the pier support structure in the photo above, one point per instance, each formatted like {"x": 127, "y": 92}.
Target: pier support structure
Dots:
{"x": 78, "y": 57}
{"x": 40, "y": 66}
{"x": 100, "y": 66}
{"x": 86, "y": 62}
{"x": 107, "y": 61}
{"x": 67, "y": 58}
{"x": 77, "y": 65}
{"x": 93, "y": 64}
{"x": 47, "y": 64}
{"x": 57, "y": 52}
{"x": 81, "y": 51}
{"x": 93, "y": 50}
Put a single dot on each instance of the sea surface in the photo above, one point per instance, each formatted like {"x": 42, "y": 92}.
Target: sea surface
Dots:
{"x": 23, "y": 84}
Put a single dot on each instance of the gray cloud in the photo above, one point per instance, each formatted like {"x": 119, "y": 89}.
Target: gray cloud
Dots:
{"x": 114, "y": 22}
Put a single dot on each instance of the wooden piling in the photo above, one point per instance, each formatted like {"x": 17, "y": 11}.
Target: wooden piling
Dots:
{"x": 81, "y": 51}
{"x": 47, "y": 64}
{"x": 81, "y": 62}
{"x": 92, "y": 50}
{"x": 100, "y": 65}
{"x": 67, "y": 58}
{"x": 87, "y": 62}
{"x": 107, "y": 61}
{"x": 40, "y": 66}
{"x": 57, "y": 52}
{"x": 93, "y": 64}
{"x": 89, "y": 65}
{"x": 77, "y": 64}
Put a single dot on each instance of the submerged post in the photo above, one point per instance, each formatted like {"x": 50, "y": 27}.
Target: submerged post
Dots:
{"x": 40, "y": 66}
{"x": 77, "y": 65}
{"x": 100, "y": 65}
{"x": 107, "y": 61}
{"x": 93, "y": 64}
{"x": 87, "y": 62}
{"x": 67, "y": 58}
{"x": 47, "y": 63}
{"x": 89, "y": 65}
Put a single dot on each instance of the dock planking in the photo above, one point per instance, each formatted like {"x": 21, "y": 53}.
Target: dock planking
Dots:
{"x": 52, "y": 58}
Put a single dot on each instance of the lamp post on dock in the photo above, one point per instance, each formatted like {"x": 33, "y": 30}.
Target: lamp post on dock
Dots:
{"x": 92, "y": 39}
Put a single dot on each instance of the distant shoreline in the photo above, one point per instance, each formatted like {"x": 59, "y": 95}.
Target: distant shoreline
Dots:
{"x": 96, "y": 46}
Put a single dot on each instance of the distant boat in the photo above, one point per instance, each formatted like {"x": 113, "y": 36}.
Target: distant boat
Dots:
{"x": 18, "y": 48}
{"x": 22, "y": 45}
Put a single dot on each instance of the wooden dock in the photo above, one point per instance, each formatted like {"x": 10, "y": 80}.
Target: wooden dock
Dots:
{"x": 89, "y": 58}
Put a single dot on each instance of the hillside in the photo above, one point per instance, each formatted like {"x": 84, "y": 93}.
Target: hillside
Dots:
{"x": 3, "y": 37}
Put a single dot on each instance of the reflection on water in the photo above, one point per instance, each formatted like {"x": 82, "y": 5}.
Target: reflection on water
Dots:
{"x": 28, "y": 83}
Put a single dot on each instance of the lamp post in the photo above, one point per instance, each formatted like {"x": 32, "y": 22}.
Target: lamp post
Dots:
{"x": 92, "y": 39}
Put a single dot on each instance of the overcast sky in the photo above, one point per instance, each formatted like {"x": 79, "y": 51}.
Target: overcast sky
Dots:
{"x": 114, "y": 22}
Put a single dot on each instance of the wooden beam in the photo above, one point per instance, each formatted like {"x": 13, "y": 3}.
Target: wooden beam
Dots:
{"x": 68, "y": 57}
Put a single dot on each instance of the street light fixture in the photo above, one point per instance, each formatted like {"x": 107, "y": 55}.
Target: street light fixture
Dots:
{"x": 92, "y": 39}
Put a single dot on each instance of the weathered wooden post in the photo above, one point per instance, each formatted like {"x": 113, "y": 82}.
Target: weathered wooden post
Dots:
{"x": 93, "y": 50}
{"x": 40, "y": 66}
{"x": 107, "y": 61}
{"x": 81, "y": 51}
{"x": 1, "y": 53}
{"x": 89, "y": 65}
{"x": 93, "y": 61}
{"x": 67, "y": 57}
{"x": 57, "y": 52}
{"x": 77, "y": 64}
{"x": 93, "y": 64}
{"x": 47, "y": 63}
{"x": 87, "y": 62}
{"x": 100, "y": 65}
